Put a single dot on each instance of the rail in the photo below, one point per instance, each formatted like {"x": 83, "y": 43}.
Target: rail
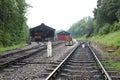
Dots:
{"x": 104, "y": 72}
{"x": 59, "y": 67}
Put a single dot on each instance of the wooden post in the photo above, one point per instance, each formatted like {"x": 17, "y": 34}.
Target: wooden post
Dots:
{"x": 49, "y": 49}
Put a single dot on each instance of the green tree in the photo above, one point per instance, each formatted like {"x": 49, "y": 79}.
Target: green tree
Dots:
{"x": 82, "y": 27}
{"x": 107, "y": 12}
{"x": 12, "y": 22}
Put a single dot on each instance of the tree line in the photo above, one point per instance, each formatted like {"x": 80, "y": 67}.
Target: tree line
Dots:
{"x": 13, "y": 27}
{"x": 106, "y": 20}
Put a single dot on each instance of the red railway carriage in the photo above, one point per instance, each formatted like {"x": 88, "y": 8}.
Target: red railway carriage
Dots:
{"x": 63, "y": 35}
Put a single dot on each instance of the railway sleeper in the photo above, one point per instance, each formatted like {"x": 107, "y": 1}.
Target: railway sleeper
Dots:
{"x": 114, "y": 73}
{"x": 80, "y": 71}
{"x": 20, "y": 63}
{"x": 115, "y": 77}
{"x": 73, "y": 61}
{"x": 54, "y": 66}
{"x": 72, "y": 67}
{"x": 49, "y": 69}
{"x": 11, "y": 68}
{"x": 80, "y": 64}
{"x": 79, "y": 67}
{"x": 98, "y": 77}
{"x": 15, "y": 66}
{"x": 8, "y": 69}
{"x": 28, "y": 62}
{"x": 64, "y": 76}
{"x": 44, "y": 75}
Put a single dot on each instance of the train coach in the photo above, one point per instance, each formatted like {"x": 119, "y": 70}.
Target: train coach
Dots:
{"x": 65, "y": 36}
{"x": 42, "y": 33}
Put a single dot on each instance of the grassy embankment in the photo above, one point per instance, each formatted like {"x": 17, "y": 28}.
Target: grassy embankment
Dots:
{"x": 111, "y": 40}
{"x": 2, "y": 49}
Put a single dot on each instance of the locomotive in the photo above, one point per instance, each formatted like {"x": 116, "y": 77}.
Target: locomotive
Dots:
{"x": 37, "y": 37}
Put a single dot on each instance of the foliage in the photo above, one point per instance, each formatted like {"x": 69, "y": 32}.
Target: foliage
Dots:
{"x": 106, "y": 20}
{"x": 82, "y": 27}
{"x": 107, "y": 12}
{"x": 12, "y": 22}
{"x": 105, "y": 29}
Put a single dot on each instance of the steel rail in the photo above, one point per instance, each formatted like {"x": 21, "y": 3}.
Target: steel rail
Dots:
{"x": 59, "y": 67}
{"x": 104, "y": 72}
{"x": 9, "y": 60}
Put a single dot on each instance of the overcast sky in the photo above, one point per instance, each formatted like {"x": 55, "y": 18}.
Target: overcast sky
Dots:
{"x": 58, "y": 14}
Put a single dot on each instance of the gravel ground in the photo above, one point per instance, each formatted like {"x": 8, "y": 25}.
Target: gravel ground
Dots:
{"x": 33, "y": 71}
{"x": 99, "y": 51}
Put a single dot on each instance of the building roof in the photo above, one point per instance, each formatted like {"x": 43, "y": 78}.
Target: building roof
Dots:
{"x": 42, "y": 27}
{"x": 63, "y": 33}
{"x": 45, "y": 30}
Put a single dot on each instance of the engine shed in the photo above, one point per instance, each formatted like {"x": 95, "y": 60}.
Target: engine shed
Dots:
{"x": 45, "y": 32}
{"x": 63, "y": 36}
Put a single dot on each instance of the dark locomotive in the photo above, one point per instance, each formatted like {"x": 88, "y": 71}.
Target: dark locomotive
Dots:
{"x": 37, "y": 36}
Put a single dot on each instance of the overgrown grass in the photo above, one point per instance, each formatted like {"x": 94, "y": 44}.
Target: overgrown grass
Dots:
{"x": 2, "y": 49}
{"x": 117, "y": 53}
{"x": 82, "y": 38}
{"x": 112, "y": 39}
{"x": 116, "y": 66}
{"x": 112, "y": 66}
{"x": 108, "y": 65}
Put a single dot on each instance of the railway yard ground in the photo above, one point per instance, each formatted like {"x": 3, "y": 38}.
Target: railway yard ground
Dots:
{"x": 38, "y": 66}
{"x": 33, "y": 67}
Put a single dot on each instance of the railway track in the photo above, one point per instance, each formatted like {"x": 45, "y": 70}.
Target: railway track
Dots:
{"x": 80, "y": 64}
{"x": 12, "y": 58}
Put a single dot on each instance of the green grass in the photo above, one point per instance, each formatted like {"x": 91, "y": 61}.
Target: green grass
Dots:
{"x": 81, "y": 38}
{"x": 112, "y": 66}
{"x": 2, "y": 49}
{"x": 116, "y": 66}
{"x": 112, "y": 39}
{"x": 108, "y": 65}
{"x": 117, "y": 53}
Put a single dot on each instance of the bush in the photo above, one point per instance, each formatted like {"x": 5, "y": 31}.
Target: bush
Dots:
{"x": 105, "y": 29}
{"x": 116, "y": 26}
